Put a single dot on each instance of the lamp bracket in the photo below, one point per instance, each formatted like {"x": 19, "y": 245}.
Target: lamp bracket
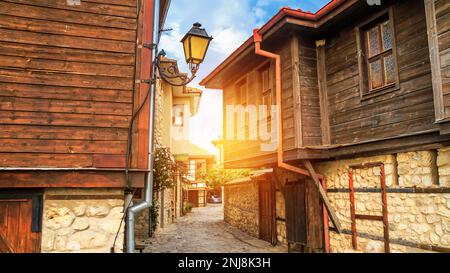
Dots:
{"x": 146, "y": 81}
{"x": 171, "y": 73}
{"x": 166, "y": 30}
{"x": 149, "y": 46}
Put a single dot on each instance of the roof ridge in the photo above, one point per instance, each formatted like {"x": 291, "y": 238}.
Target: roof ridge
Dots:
{"x": 281, "y": 14}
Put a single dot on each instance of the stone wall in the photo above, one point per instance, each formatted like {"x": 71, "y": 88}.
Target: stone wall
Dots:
{"x": 417, "y": 218}
{"x": 159, "y": 114}
{"x": 281, "y": 217}
{"x": 141, "y": 227}
{"x": 82, "y": 220}
{"x": 142, "y": 220}
{"x": 166, "y": 208}
{"x": 164, "y": 219}
{"x": 241, "y": 208}
{"x": 443, "y": 162}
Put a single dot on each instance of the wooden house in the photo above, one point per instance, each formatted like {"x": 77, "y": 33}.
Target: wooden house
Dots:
{"x": 72, "y": 73}
{"x": 199, "y": 161}
{"x": 363, "y": 87}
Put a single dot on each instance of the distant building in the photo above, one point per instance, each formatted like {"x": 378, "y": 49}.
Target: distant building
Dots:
{"x": 198, "y": 162}
{"x": 175, "y": 105}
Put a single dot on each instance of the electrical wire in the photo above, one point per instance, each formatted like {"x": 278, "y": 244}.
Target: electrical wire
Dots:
{"x": 130, "y": 128}
{"x": 113, "y": 248}
{"x": 136, "y": 113}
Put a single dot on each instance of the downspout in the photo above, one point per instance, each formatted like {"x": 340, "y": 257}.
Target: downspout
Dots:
{"x": 280, "y": 153}
{"x": 147, "y": 201}
{"x": 277, "y": 58}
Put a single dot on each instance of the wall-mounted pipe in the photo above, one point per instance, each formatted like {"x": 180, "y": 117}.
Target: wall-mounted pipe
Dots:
{"x": 147, "y": 201}
{"x": 277, "y": 58}
{"x": 280, "y": 153}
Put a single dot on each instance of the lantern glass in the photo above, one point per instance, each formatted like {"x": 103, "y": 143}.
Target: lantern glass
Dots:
{"x": 195, "y": 48}
{"x": 196, "y": 43}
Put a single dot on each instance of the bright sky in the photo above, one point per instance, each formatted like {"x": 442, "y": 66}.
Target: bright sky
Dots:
{"x": 230, "y": 22}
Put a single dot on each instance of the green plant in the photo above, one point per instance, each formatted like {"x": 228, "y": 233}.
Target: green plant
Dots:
{"x": 218, "y": 176}
{"x": 164, "y": 177}
{"x": 187, "y": 207}
{"x": 154, "y": 216}
{"x": 164, "y": 170}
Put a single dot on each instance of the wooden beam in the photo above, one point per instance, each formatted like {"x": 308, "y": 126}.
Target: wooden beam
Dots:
{"x": 296, "y": 90}
{"x": 323, "y": 195}
{"x": 433, "y": 42}
{"x": 369, "y": 217}
{"x": 69, "y": 179}
{"x": 323, "y": 92}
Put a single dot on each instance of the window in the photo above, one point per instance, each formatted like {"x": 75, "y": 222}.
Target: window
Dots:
{"x": 378, "y": 64}
{"x": 192, "y": 170}
{"x": 201, "y": 167}
{"x": 242, "y": 99}
{"x": 267, "y": 92}
{"x": 178, "y": 115}
{"x": 242, "y": 89}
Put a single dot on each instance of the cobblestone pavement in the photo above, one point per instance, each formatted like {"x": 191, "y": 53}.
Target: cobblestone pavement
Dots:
{"x": 204, "y": 231}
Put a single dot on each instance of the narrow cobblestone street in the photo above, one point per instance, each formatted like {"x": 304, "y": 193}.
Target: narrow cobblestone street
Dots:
{"x": 204, "y": 231}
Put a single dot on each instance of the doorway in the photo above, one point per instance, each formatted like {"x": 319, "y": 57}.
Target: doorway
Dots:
{"x": 304, "y": 217}
{"x": 20, "y": 223}
{"x": 267, "y": 221}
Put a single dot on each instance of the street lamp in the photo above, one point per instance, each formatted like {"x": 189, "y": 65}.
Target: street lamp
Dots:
{"x": 195, "y": 44}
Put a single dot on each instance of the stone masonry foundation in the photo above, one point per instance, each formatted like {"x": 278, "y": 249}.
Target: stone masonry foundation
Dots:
{"x": 241, "y": 207}
{"x": 417, "y": 201}
{"x": 82, "y": 220}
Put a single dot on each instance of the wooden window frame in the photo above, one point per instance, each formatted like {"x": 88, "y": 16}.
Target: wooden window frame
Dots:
{"x": 242, "y": 81}
{"x": 363, "y": 60}
{"x": 239, "y": 84}
{"x": 266, "y": 66}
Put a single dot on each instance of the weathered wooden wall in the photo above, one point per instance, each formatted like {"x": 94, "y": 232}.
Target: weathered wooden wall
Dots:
{"x": 236, "y": 150}
{"x": 323, "y": 103}
{"x": 66, "y": 80}
{"x": 311, "y": 132}
{"x": 442, "y": 9}
{"x": 406, "y": 111}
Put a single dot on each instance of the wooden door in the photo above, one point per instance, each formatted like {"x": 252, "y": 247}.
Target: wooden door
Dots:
{"x": 193, "y": 198}
{"x": 296, "y": 216}
{"x": 267, "y": 228}
{"x": 314, "y": 212}
{"x": 16, "y": 233}
{"x": 304, "y": 216}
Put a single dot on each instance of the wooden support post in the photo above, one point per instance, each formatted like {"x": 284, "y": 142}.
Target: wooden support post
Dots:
{"x": 326, "y": 222}
{"x": 353, "y": 210}
{"x": 387, "y": 247}
{"x": 323, "y": 195}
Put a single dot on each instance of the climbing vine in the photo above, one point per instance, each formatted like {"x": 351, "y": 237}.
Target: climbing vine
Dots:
{"x": 164, "y": 177}
{"x": 164, "y": 170}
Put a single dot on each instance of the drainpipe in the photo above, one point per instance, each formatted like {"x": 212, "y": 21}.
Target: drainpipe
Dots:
{"x": 280, "y": 154}
{"x": 277, "y": 58}
{"x": 147, "y": 201}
